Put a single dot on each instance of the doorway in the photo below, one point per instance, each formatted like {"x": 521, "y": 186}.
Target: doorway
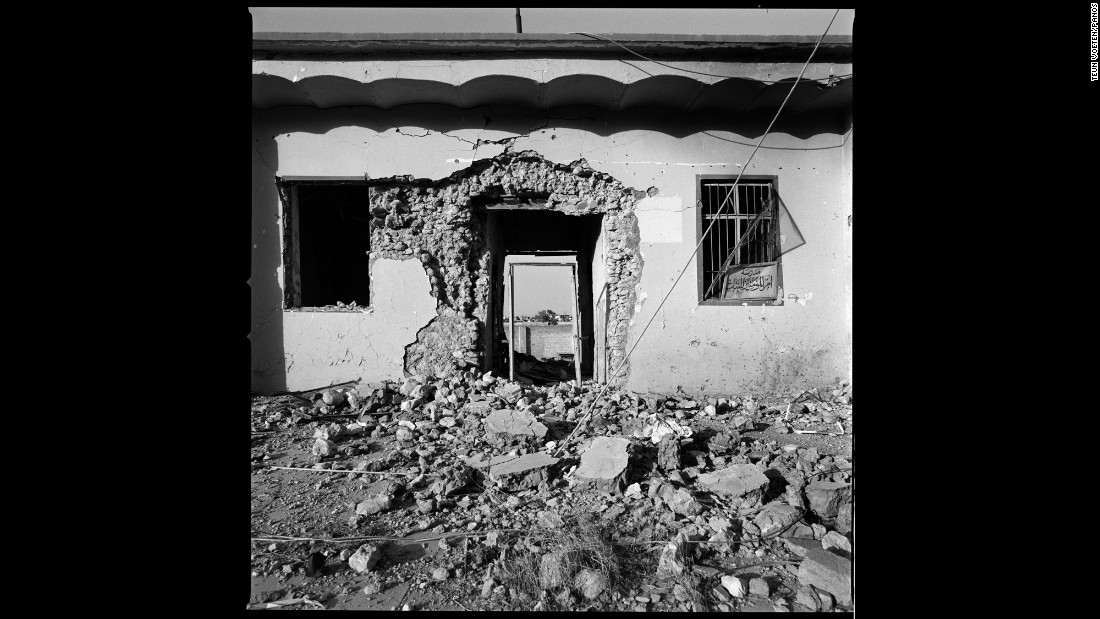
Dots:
{"x": 571, "y": 244}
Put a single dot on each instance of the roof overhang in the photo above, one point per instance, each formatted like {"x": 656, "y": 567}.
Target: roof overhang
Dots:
{"x": 746, "y": 74}
{"x": 760, "y": 48}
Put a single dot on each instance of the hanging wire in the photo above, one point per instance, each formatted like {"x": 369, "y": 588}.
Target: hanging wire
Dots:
{"x": 842, "y": 143}
{"x": 831, "y": 78}
{"x": 626, "y": 358}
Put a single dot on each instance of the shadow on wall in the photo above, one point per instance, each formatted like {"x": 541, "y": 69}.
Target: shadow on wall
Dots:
{"x": 266, "y": 329}
{"x": 443, "y": 118}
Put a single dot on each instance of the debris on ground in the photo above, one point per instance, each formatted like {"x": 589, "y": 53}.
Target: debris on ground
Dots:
{"x": 470, "y": 491}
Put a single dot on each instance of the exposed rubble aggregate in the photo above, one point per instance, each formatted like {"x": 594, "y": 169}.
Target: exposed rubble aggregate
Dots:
{"x": 658, "y": 503}
{"x": 439, "y": 223}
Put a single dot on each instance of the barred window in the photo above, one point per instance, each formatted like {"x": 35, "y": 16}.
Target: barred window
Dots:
{"x": 739, "y": 257}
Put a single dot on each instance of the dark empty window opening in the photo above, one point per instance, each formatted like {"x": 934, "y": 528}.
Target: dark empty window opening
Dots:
{"x": 331, "y": 244}
{"x": 739, "y": 257}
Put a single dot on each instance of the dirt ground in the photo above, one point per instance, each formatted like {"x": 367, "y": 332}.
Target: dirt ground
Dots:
{"x": 304, "y": 523}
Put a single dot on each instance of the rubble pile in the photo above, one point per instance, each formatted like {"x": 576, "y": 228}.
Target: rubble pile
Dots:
{"x": 692, "y": 503}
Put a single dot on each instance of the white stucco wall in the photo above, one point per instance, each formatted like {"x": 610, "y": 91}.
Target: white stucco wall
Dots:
{"x": 710, "y": 349}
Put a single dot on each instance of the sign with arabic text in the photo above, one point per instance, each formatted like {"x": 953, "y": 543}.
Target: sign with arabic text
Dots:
{"x": 748, "y": 282}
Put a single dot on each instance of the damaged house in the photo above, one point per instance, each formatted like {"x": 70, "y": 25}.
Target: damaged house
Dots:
{"x": 397, "y": 178}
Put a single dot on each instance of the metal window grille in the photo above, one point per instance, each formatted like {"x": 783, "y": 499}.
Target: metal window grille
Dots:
{"x": 750, "y": 201}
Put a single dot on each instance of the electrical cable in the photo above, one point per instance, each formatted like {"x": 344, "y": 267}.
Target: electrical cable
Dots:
{"x": 637, "y": 341}
{"x": 842, "y": 143}
{"x": 609, "y": 40}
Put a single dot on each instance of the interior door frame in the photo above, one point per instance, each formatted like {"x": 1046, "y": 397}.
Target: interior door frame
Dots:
{"x": 512, "y": 315}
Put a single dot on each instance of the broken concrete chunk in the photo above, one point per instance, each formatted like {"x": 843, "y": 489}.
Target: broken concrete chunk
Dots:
{"x": 776, "y": 517}
{"x": 826, "y": 497}
{"x": 759, "y": 586}
{"x": 742, "y": 423}
{"x": 323, "y": 447}
{"x": 734, "y": 585}
{"x": 633, "y": 491}
{"x": 800, "y": 531}
{"x": 723, "y": 440}
{"x": 516, "y": 423}
{"x": 511, "y": 392}
{"x": 604, "y": 463}
{"x": 330, "y": 432}
{"x": 374, "y": 505}
{"x": 590, "y": 583}
{"x": 800, "y": 546}
{"x": 844, "y": 519}
{"x": 837, "y": 543}
{"x": 720, "y": 542}
{"x": 829, "y": 572}
{"x": 365, "y": 559}
{"x": 549, "y": 520}
{"x": 553, "y": 570}
{"x": 671, "y": 563}
{"x": 806, "y": 597}
{"x": 682, "y": 502}
{"x": 520, "y": 472}
{"x": 668, "y": 453}
{"x": 736, "y": 481}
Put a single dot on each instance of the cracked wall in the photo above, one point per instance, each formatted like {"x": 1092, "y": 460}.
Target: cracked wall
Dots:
{"x": 442, "y": 222}
{"x": 419, "y": 150}
{"x": 324, "y": 348}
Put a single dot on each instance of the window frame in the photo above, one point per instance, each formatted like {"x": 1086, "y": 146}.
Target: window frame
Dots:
{"x": 291, "y": 245}
{"x": 700, "y": 226}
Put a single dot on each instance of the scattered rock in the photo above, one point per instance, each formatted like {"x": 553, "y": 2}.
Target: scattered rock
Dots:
{"x": 682, "y": 502}
{"x": 514, "y": 423}
{"x": 806, "y": 597}
{"x": 440, "y": 573}
{"x": 837, "y": 543}
{"x": 826, "y": 497}
{"x": 827, "y": 571}
{"x": 742, "y": 423}
{"x": 745, "y": 481}
{"x": 511, "y": 392}
{"x": 734, "y": 585}
{"x": 323, "y": 447}
{"x": 374, "y": 505}
{"x": 671, "y": 563}
{"x": 668, "y": 453}
{"x": 520, "y": 472}
{"x": 552, "y": 570}
{"x": 549, "y": 520}
{"x": 604, "y": 463}
{"x": 844, "y": 519}
{"x": 590, "y": 583}
{"x": 776, "y": 517}
{"x": 365, "y": 559}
